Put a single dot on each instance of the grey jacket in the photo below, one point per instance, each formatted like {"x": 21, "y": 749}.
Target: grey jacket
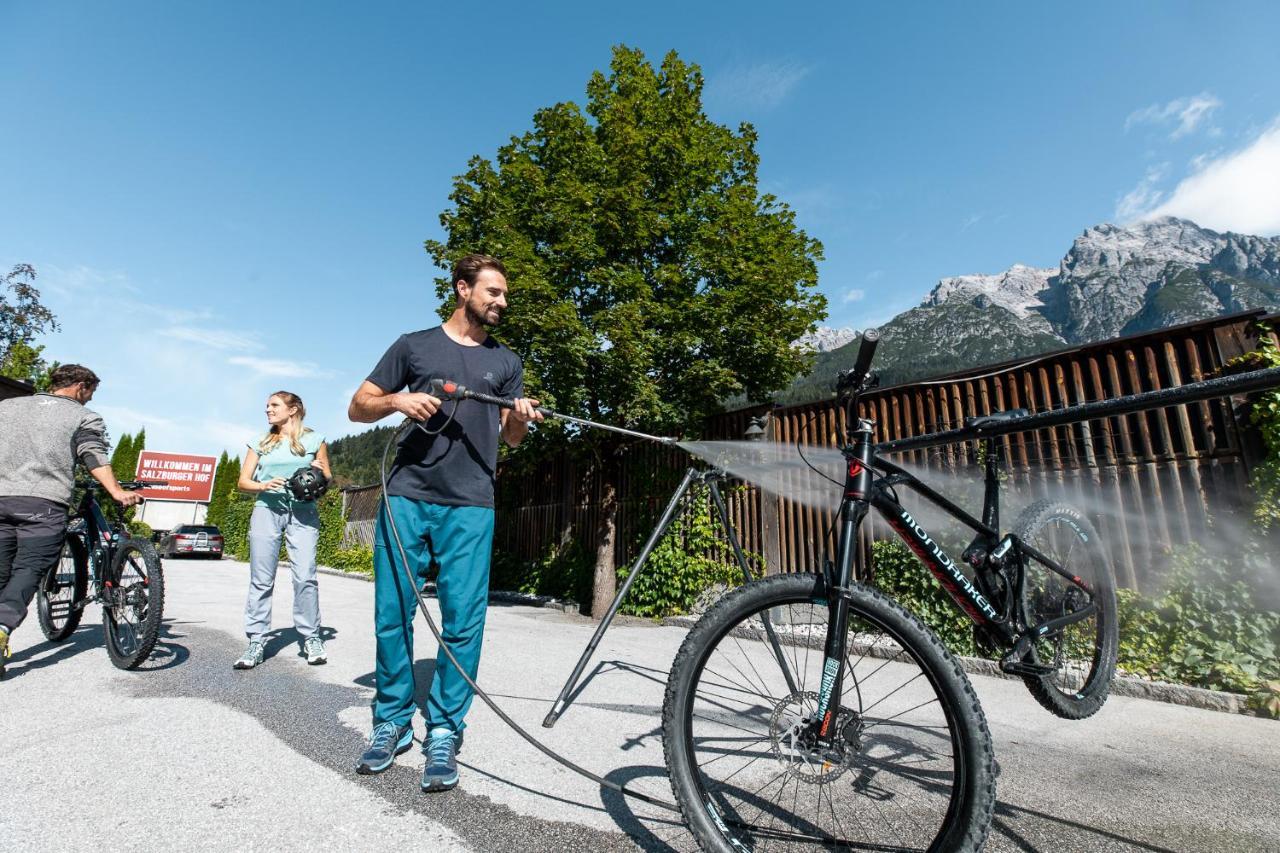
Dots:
{"x": 41, "y": 439}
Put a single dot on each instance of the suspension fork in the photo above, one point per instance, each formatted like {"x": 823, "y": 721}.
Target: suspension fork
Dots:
{"x": 853, "y": 509}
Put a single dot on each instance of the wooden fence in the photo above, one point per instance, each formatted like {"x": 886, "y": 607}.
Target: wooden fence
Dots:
{"x": 1151, "y": 481}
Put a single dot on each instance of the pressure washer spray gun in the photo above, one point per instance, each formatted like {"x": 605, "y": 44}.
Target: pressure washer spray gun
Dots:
{"x": 446, "y": 389}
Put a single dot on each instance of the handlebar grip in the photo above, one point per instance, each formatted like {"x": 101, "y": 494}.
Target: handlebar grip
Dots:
{"x": 866, "y": 351}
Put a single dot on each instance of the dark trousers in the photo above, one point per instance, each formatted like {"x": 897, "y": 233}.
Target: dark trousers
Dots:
{"x": 31, "y": 534}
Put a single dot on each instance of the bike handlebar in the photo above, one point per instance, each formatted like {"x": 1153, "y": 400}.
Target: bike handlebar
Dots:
{"x": 127, "y": 485}
{"x": 866, "y": 351}
{"x": 852, "y": 379}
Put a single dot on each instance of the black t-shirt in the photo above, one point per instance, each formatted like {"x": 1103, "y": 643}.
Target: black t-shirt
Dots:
{"x": 457, "y": 466}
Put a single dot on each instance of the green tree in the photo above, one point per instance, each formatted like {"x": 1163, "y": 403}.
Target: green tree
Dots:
{"x": 121, "y": 456}
{"x": 650, "y": 279}
{"x": 26, "y": 363}
{"x": 22, "y": 315}
{"x": 224, "y": 485}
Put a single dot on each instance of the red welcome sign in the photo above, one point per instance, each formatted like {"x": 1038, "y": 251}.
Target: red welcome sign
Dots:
{"x": 189, "y": 478}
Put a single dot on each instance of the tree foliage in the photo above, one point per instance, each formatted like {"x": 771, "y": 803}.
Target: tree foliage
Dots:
{"x": 225, "y": 477}
{"x": 355, "y": 460}
{"x": 650, "y": 279}
{"x": 22, "y": 318}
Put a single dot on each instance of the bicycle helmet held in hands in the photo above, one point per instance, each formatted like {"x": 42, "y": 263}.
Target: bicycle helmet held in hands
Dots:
{"x": 307, "y": 484}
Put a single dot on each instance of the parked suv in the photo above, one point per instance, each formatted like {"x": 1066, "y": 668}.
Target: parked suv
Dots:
{"x": 192, "y": 540}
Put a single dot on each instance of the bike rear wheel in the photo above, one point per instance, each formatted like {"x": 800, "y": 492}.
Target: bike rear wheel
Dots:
{"x": 61, "y": 594}
{"x": 133, "y": 603}
{"x": 1083, "y": 655}
{"x": 912, "y": 770}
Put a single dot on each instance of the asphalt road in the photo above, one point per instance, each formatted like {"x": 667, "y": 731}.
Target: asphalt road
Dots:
{"x": 189, "y": 754}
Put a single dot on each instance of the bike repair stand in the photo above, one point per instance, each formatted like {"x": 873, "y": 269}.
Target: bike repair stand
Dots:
{"x": 712, "y": 479}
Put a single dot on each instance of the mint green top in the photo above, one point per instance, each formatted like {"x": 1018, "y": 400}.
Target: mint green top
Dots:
{"x": 281, "y": 461}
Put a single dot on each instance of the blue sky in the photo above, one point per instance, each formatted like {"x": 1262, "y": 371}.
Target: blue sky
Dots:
{"x": 227, "y": 199}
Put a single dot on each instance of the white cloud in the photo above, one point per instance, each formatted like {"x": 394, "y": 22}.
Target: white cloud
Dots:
{"x": 764, "y": 84}
{"x": 1239, "y": 191}
{"x": 1133, "y": 204}
{"x": 81, "y": 280}
{"x": 216, "y": 338}
{"x": 853, "y": 294}
{"x": 970, "y": 221}
{"x": 281, "y": 368}
{"x": 1185, "y": 113}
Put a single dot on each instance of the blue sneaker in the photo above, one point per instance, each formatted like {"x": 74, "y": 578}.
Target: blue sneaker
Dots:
{"x": 441, "y": 772}
{"x": 386, "y": 741}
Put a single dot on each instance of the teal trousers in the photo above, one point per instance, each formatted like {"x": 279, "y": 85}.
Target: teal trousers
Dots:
{"x": 460, "y": 538}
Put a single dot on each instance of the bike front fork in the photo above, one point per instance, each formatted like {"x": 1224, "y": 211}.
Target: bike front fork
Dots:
{"x": 839, "y": 581}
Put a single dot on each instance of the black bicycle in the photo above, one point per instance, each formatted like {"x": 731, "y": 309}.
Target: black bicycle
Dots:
{"x": 809, "y": 711}
{"x": 101, "y": 563}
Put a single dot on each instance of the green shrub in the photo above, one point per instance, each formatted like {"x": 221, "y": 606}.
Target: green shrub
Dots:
{"x": 901, "y": 575}
{"x": 692, "y": 557}
{"x": 235, "y": 525}
{"x": 561, "y": 572}
{"x": 358, "y": 560}
{"x": 140, "y": 529}
{"x": 1206, "y": 629}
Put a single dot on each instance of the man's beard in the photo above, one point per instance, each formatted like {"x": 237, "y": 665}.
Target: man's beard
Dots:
{"x": 479, "y": 319}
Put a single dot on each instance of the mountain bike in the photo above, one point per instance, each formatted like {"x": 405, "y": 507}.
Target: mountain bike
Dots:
{"x": 101, "y": 563}
{"x": 808, "y": 711}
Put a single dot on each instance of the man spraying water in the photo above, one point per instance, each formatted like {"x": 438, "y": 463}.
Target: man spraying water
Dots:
{"x": 440, "y": 492}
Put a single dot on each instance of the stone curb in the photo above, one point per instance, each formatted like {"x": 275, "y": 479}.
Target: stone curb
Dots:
{"x": 497, "y": 596}
{"x": 1121, "y": 685}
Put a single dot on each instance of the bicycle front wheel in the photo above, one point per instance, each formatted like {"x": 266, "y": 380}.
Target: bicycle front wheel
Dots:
{"x": 60, "y": 596}
{"x": 133, "y": 603}
{"x": 912, "y": 768}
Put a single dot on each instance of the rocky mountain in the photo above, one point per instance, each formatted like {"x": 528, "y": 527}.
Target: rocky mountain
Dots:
{"x": 1113, "y": 281}
{"x": 825, "y": 339}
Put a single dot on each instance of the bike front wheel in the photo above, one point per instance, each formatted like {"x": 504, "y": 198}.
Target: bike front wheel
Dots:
{"x": 1081, "y": 656}
{"x": 61, "y": 594}
{"x": 133, "y": 603}
{"x": 912, "y": 768}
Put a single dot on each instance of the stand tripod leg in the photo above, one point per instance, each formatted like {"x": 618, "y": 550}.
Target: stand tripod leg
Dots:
{"x": 668, "y": 515}
{"x": 747, "y": 577}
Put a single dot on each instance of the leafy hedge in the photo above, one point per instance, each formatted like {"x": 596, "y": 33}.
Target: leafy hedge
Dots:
{"x": 233, "y": 517}
{"x": 686, "y": 562}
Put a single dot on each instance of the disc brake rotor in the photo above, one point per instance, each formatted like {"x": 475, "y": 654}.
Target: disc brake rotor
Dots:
{"x": 794, "y": 739}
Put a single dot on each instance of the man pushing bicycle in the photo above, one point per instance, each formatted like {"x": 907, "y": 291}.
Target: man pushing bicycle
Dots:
{"x": 440, "y": 495}
{"x": 45, "y": 435}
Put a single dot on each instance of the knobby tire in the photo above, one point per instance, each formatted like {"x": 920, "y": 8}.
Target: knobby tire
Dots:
{"x": 61, "y": 594}
{"x": 913, "y": 770}
{"x": 1083, "y": 654}
{"x": 133, "y": 607}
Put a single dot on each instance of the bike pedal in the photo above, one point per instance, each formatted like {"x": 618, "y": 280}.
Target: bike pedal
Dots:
{"x": 1017, "y": 667}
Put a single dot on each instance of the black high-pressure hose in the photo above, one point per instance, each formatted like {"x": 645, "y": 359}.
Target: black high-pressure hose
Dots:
{"x": 422, "y": 605}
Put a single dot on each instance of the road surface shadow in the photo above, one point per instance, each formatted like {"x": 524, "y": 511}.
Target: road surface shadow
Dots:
{"x": 303, "y": 713}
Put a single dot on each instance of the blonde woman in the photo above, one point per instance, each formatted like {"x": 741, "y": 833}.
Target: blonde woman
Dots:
{"x": 268, "y": 464}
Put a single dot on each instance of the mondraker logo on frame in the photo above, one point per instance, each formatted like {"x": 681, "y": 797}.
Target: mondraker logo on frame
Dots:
{"x": 957, "y": 576}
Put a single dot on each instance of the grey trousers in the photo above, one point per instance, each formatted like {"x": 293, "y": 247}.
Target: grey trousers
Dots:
{"x": 300, "y": 527}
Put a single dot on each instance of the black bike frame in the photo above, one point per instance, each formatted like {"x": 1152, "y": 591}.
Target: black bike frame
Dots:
{"x": 862, "y": 491}
{"x": 100, "y": 536}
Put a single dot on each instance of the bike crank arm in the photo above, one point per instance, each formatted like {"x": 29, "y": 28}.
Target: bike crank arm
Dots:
{"x": 1013, "y": 661}
{"x": 448, "y": 390}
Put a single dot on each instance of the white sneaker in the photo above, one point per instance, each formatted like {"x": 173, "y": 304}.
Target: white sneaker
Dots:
{"x": 313, "y": 649}
{"x": 252, "y": 656}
